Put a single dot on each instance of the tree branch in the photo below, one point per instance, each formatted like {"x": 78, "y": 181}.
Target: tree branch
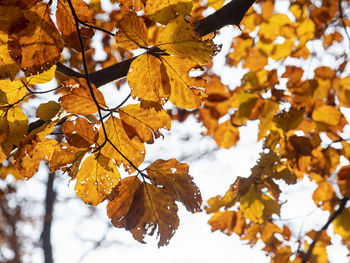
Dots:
{"x": 230, "y": 14}
{"x": 333, "y": 216}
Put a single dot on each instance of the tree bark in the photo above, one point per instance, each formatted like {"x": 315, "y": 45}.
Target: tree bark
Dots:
{"x": 46, "y": 233}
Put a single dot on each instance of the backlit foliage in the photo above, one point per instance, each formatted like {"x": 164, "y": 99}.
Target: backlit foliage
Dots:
{"x": 296, "y": 85}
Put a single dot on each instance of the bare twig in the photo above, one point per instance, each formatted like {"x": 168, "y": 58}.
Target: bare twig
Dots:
{"x": 333, "y": 216}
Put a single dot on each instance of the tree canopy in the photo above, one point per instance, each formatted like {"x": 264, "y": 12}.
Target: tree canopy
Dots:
{"x": 296, "y": 85}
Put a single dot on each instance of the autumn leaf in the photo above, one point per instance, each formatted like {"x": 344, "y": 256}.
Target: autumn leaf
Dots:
{"x": 327, "y": 114}
{"x": 96, "y": 179}
{"x": 226, "y": 135}
{"x": 120, "y": 147}
{"x": 148, "y": 79}
{"x": 35, "y": 147}
{"x": 46, "y": 111}
{"x": 179, "y": 39}
{"x": 163, "y": 12}
{"x": 80, "y": 100}
{"x": 39, "y": 42}
{"x": 228, "y": 222}
{"x": 185, "y": 90}
{"x": 173, "y": 178}
{"x": 146, "y": 120}
{"x": 132, "y": 32}
{"x": 252, "y": 205}
{"x": 142, "y": 208}
{"x": 66, "y": 22}
{"x": 80, "y": 133}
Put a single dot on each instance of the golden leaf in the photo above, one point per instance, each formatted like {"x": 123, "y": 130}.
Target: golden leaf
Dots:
{"x": 226, "y": 135}
{"x": 327, "y": 114}
{"x": 35, "y": 147}
{"x": 256, "y": 60}
{"x": 341, "y": 225}
{"x": 164, "y": 11}
{"x": 148, "y": 80}
{"x": 15, "y": 90}
{"x": 184, "y": 93}
{"x": 146, "y": 121}
{"x": 323, "y": 195}
{"x": 179, "y": 39}
{"x": 79, "y": 100}
{"x": 67, "y": 158}
{"x": 120, "y": 145}
{"x": 173, "y": 177}
{"x": 96, "y": 179}
{"x": 132, "y": 33}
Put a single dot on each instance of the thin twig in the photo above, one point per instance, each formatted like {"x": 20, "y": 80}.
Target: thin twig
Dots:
{"x": 333, "y": 216}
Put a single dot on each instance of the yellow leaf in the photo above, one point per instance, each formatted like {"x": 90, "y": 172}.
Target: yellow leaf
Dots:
{"x": 282, "y": 50}
{"x": 241, "y": 47}
{"x": 148, "y": 80}
{"x": 121, "y": 146}
{"x": 327, "y": 114}
{"x": 46, "y": 111}
{"x": 146, "y": 121}
{"x": 252, "y": 205}
{"x": 226, "y": 135}
{"x": 132, "y": 32}
{"x": 10, "y": 169}
{"x": 173, "y": 177}
{"x": 18, "y": 125}
{"x": 43, "y": 77}
{"x": 305, "y": 31}
{"x": 341, "y": 225}
{"x": 15, "y": 90}
{"x": 79, "y": 100}
{"x": 96, "y": 179}
{"x": 164, "y": 11}
{"x": 184, "y": 93}
{"x": 179, "y": 39}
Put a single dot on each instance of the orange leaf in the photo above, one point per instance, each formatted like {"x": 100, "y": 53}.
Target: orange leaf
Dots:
{"x": 40, "y": 42}
{"x": 80, "y": 101}
{"x": 344, "y": 180}
{"x": 256, "y": 60}
{"x": 228, "y": 222}
{"x": 66, "y": 23}
{"x": 80, "y": 133}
